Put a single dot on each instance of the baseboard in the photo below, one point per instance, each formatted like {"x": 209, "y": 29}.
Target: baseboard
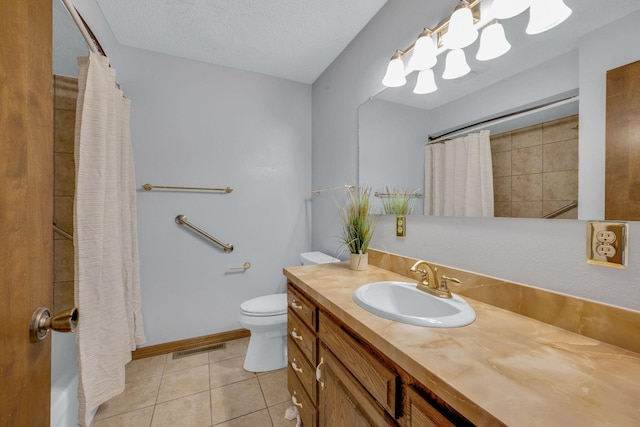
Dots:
{"x": 170, "y": 347}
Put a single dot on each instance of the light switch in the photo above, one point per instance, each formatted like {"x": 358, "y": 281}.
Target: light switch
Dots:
{"x": 607, "y": 243}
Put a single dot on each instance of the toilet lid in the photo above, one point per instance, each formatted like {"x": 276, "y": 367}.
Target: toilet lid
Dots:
{"x": 267, "y": 305}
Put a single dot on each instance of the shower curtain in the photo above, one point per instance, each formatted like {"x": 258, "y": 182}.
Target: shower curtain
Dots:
{"x": 458, "y": 178}
{"x": 107, "y": 284}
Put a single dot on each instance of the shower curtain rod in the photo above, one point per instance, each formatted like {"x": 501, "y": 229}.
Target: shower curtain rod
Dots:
{"x": 501, "y": 119}
{"x": 86, "y": 32}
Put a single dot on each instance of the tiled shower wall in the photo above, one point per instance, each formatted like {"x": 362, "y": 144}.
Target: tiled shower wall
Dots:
{"x": 535, "y": 169}
{"x": 64, "y": 113}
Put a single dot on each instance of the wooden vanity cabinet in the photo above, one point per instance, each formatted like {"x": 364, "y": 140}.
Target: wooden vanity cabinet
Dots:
{"x": 357, "y": 386}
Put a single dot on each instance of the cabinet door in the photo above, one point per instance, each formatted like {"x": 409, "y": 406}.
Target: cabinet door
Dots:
{"x": 343, "y": 401}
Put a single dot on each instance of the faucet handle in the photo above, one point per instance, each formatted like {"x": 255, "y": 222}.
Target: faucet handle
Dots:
{"x": 445, "y": 279}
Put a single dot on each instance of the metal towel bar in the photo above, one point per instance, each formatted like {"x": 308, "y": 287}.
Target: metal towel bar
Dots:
{"x": 562, "y": 210}
{"x": 150, "y": 187}
{"x": 182, "y": 220}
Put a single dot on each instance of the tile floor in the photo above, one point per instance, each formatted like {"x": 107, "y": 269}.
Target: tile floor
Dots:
{"x": 205, "y": 389}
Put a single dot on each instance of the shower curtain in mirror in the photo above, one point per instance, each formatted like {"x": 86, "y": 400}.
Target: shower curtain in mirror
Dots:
{"x": 107, "y": 284}
{"x": 458, "y": 177}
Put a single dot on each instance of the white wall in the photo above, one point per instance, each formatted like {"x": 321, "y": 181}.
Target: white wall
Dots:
{"x": 547, "y": 254}
{"x": 196, "y": 124}
{"x": 390, "y": 140}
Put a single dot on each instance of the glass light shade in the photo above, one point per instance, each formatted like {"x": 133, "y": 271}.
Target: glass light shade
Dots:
{"x": 460, "y": 32}
{"x": 455, "y": 65}
{"x": 424, "y": 53}
{"x": 546, "y": 14}
{"x": 505, "y": 9}
{"x": 493, "y": 42}
{"x": 426, "y": 82}
{"x": 394, "y": 77}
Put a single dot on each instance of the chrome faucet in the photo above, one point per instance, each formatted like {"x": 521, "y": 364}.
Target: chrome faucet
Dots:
{"x": 429, "y": 281}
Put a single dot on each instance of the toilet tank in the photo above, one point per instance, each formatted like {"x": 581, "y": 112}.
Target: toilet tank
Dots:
{"x": 310, "y": 258}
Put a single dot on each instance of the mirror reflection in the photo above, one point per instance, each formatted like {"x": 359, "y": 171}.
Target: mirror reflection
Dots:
{"x": 535, "y": 158}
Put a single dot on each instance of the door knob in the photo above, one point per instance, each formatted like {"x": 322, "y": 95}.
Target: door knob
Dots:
{"x": 42, "y": 322}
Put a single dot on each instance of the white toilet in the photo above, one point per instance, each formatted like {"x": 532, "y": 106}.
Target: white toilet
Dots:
{"x": 266, "y": 318}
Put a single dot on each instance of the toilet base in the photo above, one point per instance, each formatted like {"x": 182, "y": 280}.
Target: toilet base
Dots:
{"x": 266, "y": 352}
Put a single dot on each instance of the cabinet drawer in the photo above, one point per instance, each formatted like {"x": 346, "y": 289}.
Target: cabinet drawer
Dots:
{"x": 301, "y": 306}
{"x": 379, "y": 380}
{"x": 308, "y": 411}
{"x": 302, "y": 336}
{"x": 303, "y": 370}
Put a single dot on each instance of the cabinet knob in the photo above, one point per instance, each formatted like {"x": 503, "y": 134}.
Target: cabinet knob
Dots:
{"x": 296, "y": 305}
{"x": 295, "y": 335}
{"x": 294, "y": 399}
{"x": 294, "y": 366}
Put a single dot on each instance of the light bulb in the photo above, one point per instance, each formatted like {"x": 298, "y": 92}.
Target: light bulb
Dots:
{"x": 460, "y": 32}
{"x": 493, "y": 42}
{"x": 505, "y": 9}
{"x": 455, "y": 65}
{"x": 426, "y": 82}
{"x": 424, "y": 52}
{"x": 394, "y": 77}
{"x": 546, "y": 14}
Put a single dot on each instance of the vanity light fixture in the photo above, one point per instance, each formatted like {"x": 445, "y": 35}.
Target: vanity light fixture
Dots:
{"x": 424, "y": 52}
{"x": 546, "y": 14}
{"x": 426, "y": 82}
{"x": 493, "y": 42}
{"x": 395, "y": 71}
{"x": 455, "y": 65}
{"x": 461, "y": 30}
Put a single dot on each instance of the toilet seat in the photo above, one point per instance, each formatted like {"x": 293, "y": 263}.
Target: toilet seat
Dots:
{"x": 267, "y": 305}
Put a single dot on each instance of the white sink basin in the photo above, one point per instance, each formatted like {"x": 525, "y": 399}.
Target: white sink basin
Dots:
{"x": 402, "y": 302}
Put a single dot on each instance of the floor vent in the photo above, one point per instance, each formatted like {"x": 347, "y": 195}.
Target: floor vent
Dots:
{"x": 192, "y": 351}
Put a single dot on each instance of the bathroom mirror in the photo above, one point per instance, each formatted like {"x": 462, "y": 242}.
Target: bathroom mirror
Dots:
{"x": 393, "y": 125}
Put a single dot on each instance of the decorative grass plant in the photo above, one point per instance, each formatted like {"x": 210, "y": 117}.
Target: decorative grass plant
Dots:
{"x": 357, "y": 224}
{"x": 399, "y": 201}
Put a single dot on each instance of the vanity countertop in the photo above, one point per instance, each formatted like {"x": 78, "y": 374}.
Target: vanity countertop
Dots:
{"x": 504, "y": 366}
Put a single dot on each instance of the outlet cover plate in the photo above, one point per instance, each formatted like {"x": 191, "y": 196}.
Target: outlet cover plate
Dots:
{"x": 597, "y": 245}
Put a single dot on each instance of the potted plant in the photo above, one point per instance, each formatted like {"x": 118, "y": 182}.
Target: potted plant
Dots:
{"x": 357, "y": 226}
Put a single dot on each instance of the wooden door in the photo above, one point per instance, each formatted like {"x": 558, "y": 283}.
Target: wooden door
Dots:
{"x": 622, "y": 182}
{"x": 26, "y": 207}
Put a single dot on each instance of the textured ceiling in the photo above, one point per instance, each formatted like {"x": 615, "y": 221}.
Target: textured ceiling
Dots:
{"x": 291, "y": 39}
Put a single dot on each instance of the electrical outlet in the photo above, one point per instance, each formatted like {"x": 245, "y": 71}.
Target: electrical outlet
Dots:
{"x": 607, "y": 243}
{"x": 401, "y": 226}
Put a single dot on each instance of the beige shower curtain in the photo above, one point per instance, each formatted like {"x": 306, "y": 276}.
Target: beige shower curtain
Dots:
{"x": 107, "y": 284}
{"x": 459, "y": 177}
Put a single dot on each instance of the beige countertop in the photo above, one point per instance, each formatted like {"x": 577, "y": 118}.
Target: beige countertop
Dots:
{"x": 504, "y": 366}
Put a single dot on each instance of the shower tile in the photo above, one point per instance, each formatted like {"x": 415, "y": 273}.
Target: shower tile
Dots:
{"x": 182, "y": 363}
{"x": 259, "y": 418}
{"x": 137, "y": 395}
{"x": 228, "y": 371}
{"x": 526, "y": 188}
{"x": 63, "y": 260}
{"x": 502, "y": 209}
{"x": 64, "y": 130}
{"x": 192, "y": 411}
{"x": 64, "y": 171}
{"x": 502, "y": 189}
{"x": 66, "y": 92}
{"x": 184, "y": 383}
{"x": 63, "y": 213}
{"x": 63, "y": 298}
{"x": 274, "y": 387}
{"x": 526, "y": 160}
{"x": 560, "y": 185}
{"x": 145, "y": 368}
{"x": 139, "y": 417}
{"x": 526, "y": 209}
{"x": 233, "y": 349}
{"x": 501, "y": 164}
{"x": 277, "y": 415}
{"x": 235, "y": 400}
{"x": 526, "y": 137}
{"x": 501, "y": 142}
{"x": 561, "y": 156}
{"x": 560, "y": 130}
